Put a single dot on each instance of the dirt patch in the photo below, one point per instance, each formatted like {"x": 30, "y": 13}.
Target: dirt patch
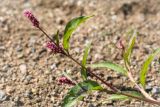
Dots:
{"x": 28, "y": 73}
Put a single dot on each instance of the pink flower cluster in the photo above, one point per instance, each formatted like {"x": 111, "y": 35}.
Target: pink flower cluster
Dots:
{"x": 120, "y": 44}
{"x": 64, "y": 80}
{"x": 31, "y": 17}
{"x": 54, "y": 48}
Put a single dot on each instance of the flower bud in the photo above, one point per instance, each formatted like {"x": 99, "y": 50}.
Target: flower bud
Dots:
{"x": 31, "y": 17}
{"x": 54, "y": 48}
{"x": 64, "y": 80}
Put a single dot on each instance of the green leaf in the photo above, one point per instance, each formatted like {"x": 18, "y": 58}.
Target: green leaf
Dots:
{"x": 78, "y": 91}
{"x": 128, "y": 51}
{"x": 110, "y": 65}
{"x": 84, "y": 73}
{"x": 86, "y": 52}
{"x": 134, "y": 93}
{"x": 70, "y": 27}
{"x": 114, "y": 97}
{"x": 84, "y": 60}
{"x": 123, "y": 97}
{"x": 117, "y": 97}
{"x": 145, "y": 67}
{"x": 57, "y": 38}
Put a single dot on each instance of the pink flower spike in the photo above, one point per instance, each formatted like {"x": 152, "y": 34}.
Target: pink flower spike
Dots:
{"x": 64, "y": 80}
{"x": 54, "y": 48}
{"x": 31, "y": 17}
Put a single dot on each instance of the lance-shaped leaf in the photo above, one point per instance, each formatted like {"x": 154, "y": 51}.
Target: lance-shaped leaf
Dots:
{"x": 145, "y": 67}
{"x": 123, "y": 97}
{"x": 70, "y": 27}
{"x": 78, "y": 91}
{"x": 110, "y": 65}
{"x": 129, "y": 49}
{"x": 57, "y": 38}
{"x": 117, "y": 97}
{"x": 84, "y": 60}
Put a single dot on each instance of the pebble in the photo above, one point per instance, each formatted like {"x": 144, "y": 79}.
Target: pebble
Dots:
{"x": 91, "y": 105}
{"x": 53, "y": 66}
{"x": 9, "y": 89}
{"x": 77, "y": 50}
{"x": 28, "y": 78}
{"x": 156, "y": 90}
{"x": 20, "y": 55}
{"x": 3, "y": 95}
{"x": 6, "y": 68}
{"x": 148, "y": 88}
{"x": 16, "y": 99}
{"x": 98, "y": 56}
{"x": 32, "y": 41}
{"x": 34, "y": 90}
{"x": 19, "y": 48}
{"x": 2, "y": 48}
{"x": 28, "y": 93}
{"x": 23, "y": 68}
{"x": 47, "y": 72}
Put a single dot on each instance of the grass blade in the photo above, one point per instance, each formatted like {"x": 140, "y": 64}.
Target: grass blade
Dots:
{"x": 128, "y": 51}
{"x": 145, "y": 67}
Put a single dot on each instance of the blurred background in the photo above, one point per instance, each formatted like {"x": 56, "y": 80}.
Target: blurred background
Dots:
{"x": 28, "y": 73}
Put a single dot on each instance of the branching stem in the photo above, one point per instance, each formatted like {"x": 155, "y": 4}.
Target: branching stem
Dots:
{"x": 114, "y": 90}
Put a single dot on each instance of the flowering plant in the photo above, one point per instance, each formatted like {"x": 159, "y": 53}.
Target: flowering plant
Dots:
{"x": 78, "y": 91}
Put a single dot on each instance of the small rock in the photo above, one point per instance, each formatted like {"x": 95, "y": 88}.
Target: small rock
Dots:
{"x": 148, "y": 88}
{"x": 32, "y": 41}
{"x": 47, "y": 72}
{"x": 28, "y": 94}
{"x": 2, "y": 48}
{"x": 3, "y": 95}
{"x": 77, "y": 50}
{"x": 9, "y": 89}
{"x": 16, "y": 99}
{"x": 20, "y": 55}
{"x": 2, "y": 86}
{"x": 53, "y": 66}
{"x": 91, "y": 105}
{"x": 34, "y": 90}
{"x": 53, "y": 99}
{"x": 98, "y": 56}
{"x": 6, "y": 68}
{"x": 35, "y": 57}
{"x": 19, "y": 48}
{"x": 156, "y": 90}
{"x": 23, "y": 68}
{"x": 28, "y": 78}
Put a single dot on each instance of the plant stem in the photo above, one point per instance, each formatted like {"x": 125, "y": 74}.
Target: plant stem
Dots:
{"x": 114, "y": 90}
{"x": 139, "y": 88}
{"x": 143, "y": 99}
{"x": 91, "y": 73}
{"x": 46, "y": 34}
{"x": 135, "y": 97}
{"x": 134, "y": 82}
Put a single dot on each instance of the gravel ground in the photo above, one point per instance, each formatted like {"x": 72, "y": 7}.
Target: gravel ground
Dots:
{"x": 28, "y": 73}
